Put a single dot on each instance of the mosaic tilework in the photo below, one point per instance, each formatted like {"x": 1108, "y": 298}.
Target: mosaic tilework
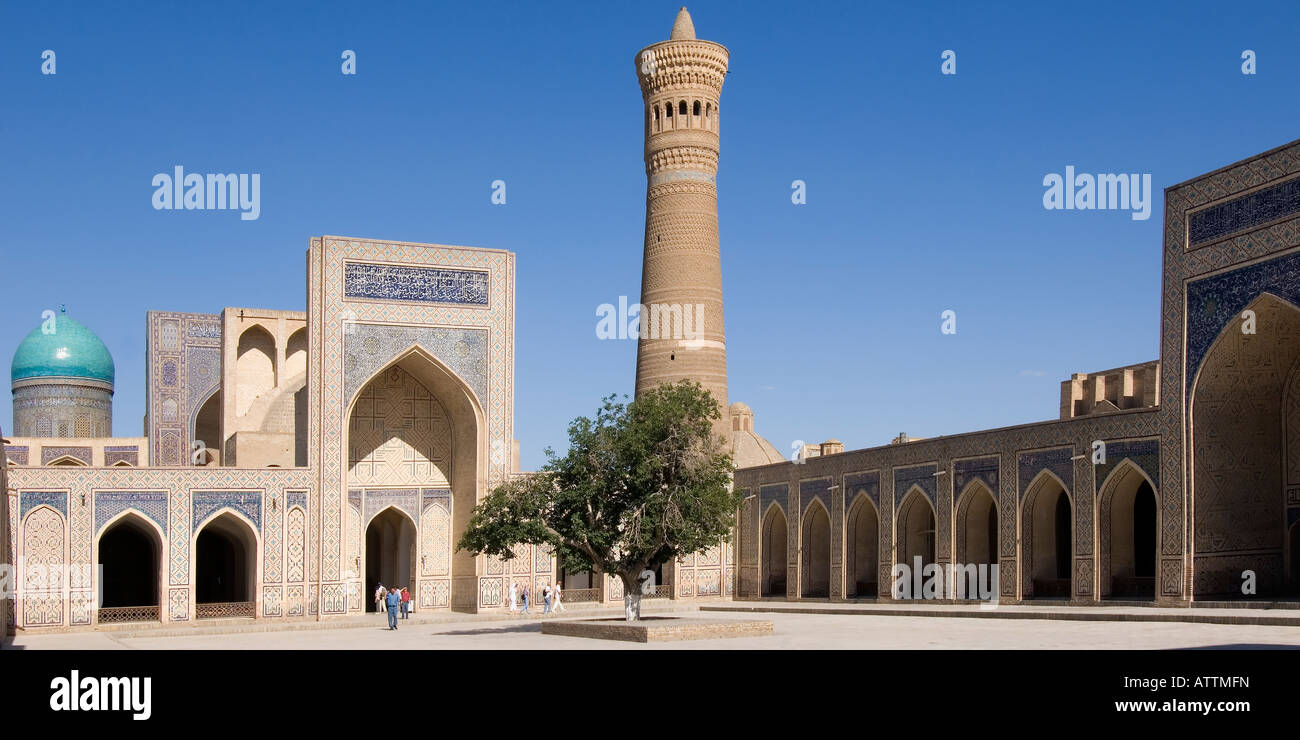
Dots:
{"x": 272, "y": 552}
{"x": 295, "y": 546}
{"x": 152, "y": 504}
{"x": 328, "y": 312}
{"x": 1145, "y": 453}
{"x": 921, "y": 476}
{"x": 770, "y": 494}
{"x": 16, "y": 454}
{"x": 369, "y": 347}
{"x": 248, "y": 503}
{"x": 855, "y": 483}
{"x": 50, "y": 454}
{"x": 1058, "y": 461}
{"x": 819, "y": 489}
{"x": 405, "y": 499}
{"x": 435, "y": 544}
{"x": 29, "y": 500}
{"x": 984, "y": 469}
{"x": 1181, "y": 264}
{"x": 412, "y": 283}
{"x": 271, "y": 601}
{"x": 1244, "y": 212}
{"x": 129, "y": 454}
{"x": 184, "y": 356}
{"x": 1216, "y": 302}
{"x": 296, "y": 498}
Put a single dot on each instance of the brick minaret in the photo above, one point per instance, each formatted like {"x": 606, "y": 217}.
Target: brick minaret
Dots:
{"x": 681, "y": 82}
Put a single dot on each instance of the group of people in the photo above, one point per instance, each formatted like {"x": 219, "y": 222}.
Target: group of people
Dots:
{"x": 550, "y": 596}
{"x": 392, "y": 600}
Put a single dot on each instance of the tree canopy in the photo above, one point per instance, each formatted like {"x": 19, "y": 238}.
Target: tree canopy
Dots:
{"x": 641, "y": 483}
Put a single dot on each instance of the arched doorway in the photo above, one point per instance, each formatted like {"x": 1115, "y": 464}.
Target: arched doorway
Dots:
{"x": 916, "y": 537}
{"x": 1245, "y": 450}
{"x": 816, "y": 552}
{"x": 130, "y": 562}
{"x": 1128, "y": 525}
{"x": 390, "y": 553}
{"x": 977, "y": 526}
{"x": 862, "y": 558}
{"x": 415, "y": 425}
{"x": 1048, "y": 539}
{"x": 774, "y": 552}
{"x": 225, "y": 557}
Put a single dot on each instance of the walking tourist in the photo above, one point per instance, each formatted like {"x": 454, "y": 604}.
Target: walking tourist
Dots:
{"x": 524, "y": 595}
{"x": 393, "y": 600}
{"x": 555, "y": 597}
{"x": 406, "y": 603}
{"x": 546, "y": 597}
{"x": 514, "y": 598}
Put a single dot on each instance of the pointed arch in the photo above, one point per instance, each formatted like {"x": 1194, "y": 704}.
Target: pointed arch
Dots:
{"x": 41, "y": 562}
{"x": 915, "y": 530}
{"x": 226, "y": 565}
{"x": 128, "y": 550}
{"x": 255, "y": 366}
{"x": 1047, "y": 538}
{"x": 815, "y": 551}
{"x": 1128, "y": 529}
{"x": 1238, "y": 418}
{"x": 977, "y": 525}
{"x": 468, "y": 439}
{"x": 67, "y": 461}
{"x": 862, "y": 548}
{"x": 773, "y": 550}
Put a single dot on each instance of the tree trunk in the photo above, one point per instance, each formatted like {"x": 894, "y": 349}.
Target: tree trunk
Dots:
{"x": 632, "y": 605}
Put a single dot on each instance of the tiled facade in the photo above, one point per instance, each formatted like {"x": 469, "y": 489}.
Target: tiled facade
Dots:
{"x": 1220, "y": 450}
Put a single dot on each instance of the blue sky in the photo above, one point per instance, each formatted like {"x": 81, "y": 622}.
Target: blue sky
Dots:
{"x": 924, "y": 191}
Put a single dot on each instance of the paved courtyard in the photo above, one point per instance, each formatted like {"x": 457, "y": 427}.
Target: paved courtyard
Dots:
{"x": 792, "y": 632}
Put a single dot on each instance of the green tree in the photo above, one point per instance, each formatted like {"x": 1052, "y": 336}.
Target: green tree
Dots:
{"x": 641, "y": 484}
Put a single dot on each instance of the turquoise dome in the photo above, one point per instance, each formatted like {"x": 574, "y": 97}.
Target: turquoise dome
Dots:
{"x": 71, "y": 350}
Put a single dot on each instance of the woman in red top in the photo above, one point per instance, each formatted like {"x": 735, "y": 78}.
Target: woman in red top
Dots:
{"x": 406, "y": 603}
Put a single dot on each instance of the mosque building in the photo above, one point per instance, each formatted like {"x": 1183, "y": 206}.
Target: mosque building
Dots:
{"x": 291, "y": 461}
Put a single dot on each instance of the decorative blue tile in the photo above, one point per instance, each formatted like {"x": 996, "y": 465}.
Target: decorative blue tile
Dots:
{"x": 868, "y": 483}
{"x": 982, "y": 469}
{"x": 152, "y": 504}
{"x": 413, "y": 283}
{"x": 49, "y": 454}
{"x": 296, "y": 498}
{"x": 378, "y": 499}
{"x": 1243, "y": 213}
{"x": 1214, "y": 301}
{"x": 1145, "y": 453}
{"x": 779, "y": 493}
{"x": 29, "y": 500}
{"x": 922, "y": 476}
{"x": 367, "y": 348}
{"x": 17, "y": 454}
{"x": 1058, "y": 461}
{"x": 248, "y": 503}
{"x": 819, "y": 489}
{"x": 435, "y": 495}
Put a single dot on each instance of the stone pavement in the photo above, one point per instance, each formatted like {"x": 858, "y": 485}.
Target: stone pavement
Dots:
{"x": 1240, "y": 614}
{"x": 793, "y": 631}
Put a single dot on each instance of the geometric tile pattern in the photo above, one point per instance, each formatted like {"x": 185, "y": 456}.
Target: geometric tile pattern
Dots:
{"x": 248, "y": 503}
{"x": 922, "y": 476}
{"x": 29, "y": 500}
{"x": 1245, "y": 212}
{"x": 152, "y": 504}
{"x": 420, "y": 284}
{"x": 49, "y": 454}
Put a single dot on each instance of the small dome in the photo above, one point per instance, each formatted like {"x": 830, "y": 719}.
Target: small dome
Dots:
{"x": 683, "y": 27}
{"x": 740, "y": 408}
{"x": 70, "y": 350}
